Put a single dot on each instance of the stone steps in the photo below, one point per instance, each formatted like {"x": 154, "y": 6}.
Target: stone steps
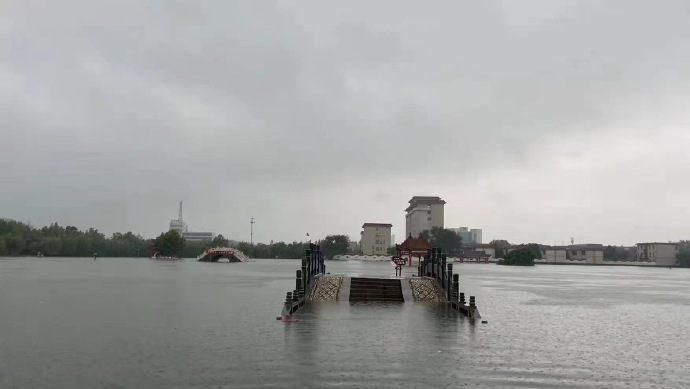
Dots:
{"x": 373, "y": 289}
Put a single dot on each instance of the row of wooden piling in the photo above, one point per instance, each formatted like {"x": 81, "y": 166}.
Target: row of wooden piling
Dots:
{"x": 434, "y": 265}
{"x": 312, "y": 265}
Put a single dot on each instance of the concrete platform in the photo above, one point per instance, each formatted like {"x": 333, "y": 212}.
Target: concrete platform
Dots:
{"x": 338, "y": 288}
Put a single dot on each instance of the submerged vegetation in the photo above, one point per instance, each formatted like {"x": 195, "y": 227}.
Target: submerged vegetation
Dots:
{"x": 523, "y": 256}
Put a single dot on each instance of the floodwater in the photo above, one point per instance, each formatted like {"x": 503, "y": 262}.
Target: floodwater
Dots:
{"x": 136, "y": 323}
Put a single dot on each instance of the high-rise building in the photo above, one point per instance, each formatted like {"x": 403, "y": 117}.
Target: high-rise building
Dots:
{"x": 181, "y": 227}
{"x": 469, "y": 236}
{"x": 375, "y": 238}
{"x": 476, "y": 235}
{"x": 423, "y": 213}
{"x": 178, "y": 224}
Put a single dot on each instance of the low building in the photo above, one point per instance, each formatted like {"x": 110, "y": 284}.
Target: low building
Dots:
{"x": 583, "y": 253}
{"x": 663, "y": 254}
{"x": 190, "y": 236}
{"x": 486, "y": 248}
{"x": 375, "y": 238}
{"x": 553, "y": 254}
{"x": 587, "y": 253}
{"x": 475, "y": 256}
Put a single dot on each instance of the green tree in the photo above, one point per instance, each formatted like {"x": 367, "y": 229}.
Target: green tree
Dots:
{"x": 18, "y": 238}
{"x": 535, "y": 248}
{"x": 609, "y": 253}
{"x": 170, "y": 243}
{"x": 449, "y": 241}
{"x": 335, "y": 245}
{"x": 500, "y": 247}
{"x": 52, "y": 246}
{"x": 683, "y": 256}
{"x": 519, "y": 257}
{"x": 220, "y": 241}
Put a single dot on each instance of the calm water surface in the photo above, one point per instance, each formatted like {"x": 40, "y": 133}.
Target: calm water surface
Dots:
{"x": 136, "y": 323}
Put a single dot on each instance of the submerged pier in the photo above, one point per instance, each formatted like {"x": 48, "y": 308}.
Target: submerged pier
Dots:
{"x": 435, "y": 282}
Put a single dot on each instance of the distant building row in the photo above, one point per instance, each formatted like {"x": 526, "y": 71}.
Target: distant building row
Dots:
{"x": 469, "y": 236}
{"x": 661, "y": 254}
{"x": 422, "y": 214}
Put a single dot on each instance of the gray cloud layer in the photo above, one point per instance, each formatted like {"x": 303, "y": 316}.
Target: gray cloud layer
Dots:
{"x": 536, "y": 122}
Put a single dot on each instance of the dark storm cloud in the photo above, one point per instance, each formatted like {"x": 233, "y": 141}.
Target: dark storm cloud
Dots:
{"x": 114, "y": 111}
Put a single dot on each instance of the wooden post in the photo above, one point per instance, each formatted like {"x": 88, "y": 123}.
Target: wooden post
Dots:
{"x": 298, "y": 283}
{"x": 295, "y": 296}
{"x": 322, "y": 262}
{"x": 304, "y": 275}
{"x": 314, "y": 263}
{"x": 441, "y": 266}
{"x": 449, "y": 286}
{"x": 287, "y": 308}
{"x": 433, "y": 262}
{"x": 307, "y": 258}
{"x": 456, "y": 287}
{"x": 472, "y": 308}
{"x": 462, "y": 298}
{"x": 425, "y": 269}
{"x": 317, "y": 258}
{"x": 444, "y": 281}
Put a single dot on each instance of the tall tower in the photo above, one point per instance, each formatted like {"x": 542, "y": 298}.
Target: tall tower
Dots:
{"x": 178, "y": 224}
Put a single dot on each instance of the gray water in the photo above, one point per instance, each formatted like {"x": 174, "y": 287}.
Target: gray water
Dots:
{"x": 136, "y": 323}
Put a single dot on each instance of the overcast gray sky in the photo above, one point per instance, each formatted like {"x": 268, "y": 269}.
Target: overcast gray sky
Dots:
{"x": 534, "y": 120}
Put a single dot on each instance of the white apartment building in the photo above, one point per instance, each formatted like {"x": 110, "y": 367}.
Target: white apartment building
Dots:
{"x": 663, "y": 254}
{"x": 375, "y": 238}
{"x": 423, "y": 213}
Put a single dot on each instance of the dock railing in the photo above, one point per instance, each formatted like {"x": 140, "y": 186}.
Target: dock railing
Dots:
{"x": 434, "y": 265}
{"x": 305, "y": 279}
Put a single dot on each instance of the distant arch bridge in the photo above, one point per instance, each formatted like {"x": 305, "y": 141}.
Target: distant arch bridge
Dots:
{"x": 217, "y": 254}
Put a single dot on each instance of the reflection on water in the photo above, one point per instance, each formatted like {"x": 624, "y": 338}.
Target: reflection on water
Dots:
{"x": 130, "y": 323}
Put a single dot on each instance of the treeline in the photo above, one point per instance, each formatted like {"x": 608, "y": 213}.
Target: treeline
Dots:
{"x": 21, "y": 239}
{"x": 294, "y": 250}
{"x": 683, "y": 255}
{"x": 18, "y": 239}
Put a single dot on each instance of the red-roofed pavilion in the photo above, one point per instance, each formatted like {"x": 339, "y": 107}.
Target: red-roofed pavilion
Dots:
{"x": 413, "y": 247}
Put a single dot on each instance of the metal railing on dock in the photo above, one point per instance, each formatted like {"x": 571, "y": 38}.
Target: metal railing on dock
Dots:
{"x": 434, "y": 265}
{"x": 312, "y": 265}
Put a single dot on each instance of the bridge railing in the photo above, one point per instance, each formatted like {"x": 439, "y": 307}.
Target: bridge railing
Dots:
{"x": 435, "y": 265}
{"x": 237, "y": 253}
{"x": 305, "y": 278}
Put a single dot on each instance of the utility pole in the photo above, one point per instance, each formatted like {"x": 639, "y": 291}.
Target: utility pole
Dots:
{"x": 251, "y": 236}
